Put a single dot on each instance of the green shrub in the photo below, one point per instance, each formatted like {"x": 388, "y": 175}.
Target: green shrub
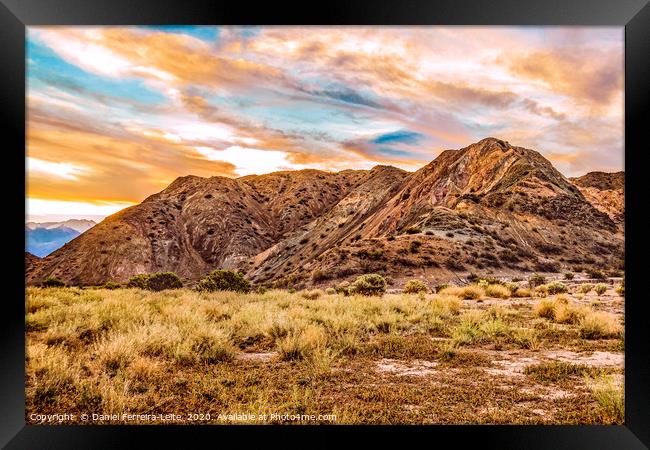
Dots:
{"x": 160, "y": 281}
{"x": 568, "y": 276}
{"x": 600, "y": 288}
{"x": 291, "y": 290}
{"x": 51, "y": 282}
{"x": 585, "y": 288}
{"x": 556, "y": 287}
{"x": 415, "y": 287}
{"x": 330, "y": 291}
{"x": 111, "y": 285}
{"x": 596, "y": 274}
{"x": 224, "y": 280}
{"x": 369, "y": 284}
{"x": 138, "y": 281}
{"x": 536, "y": 280}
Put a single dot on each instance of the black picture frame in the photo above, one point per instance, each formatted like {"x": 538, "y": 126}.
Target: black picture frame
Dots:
{"x": 634, "y": 15}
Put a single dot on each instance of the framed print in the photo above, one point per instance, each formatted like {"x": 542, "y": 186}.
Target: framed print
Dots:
{"x": 348, "y": 219}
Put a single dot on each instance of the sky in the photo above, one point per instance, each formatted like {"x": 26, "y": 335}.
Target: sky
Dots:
{"x": 115, "y": 114}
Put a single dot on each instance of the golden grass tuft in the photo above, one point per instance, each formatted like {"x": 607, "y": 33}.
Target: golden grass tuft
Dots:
{"x": 599, "y": 325}
{"x": 497, "y": 291}
{"x": 471, "y": 292}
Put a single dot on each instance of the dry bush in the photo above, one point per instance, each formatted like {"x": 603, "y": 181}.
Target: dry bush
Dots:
{"x": 522, "y": 293}
{"x": 497, "y": 291}
{"x": 599, "y": 325}
{"x": 471, "y": 292}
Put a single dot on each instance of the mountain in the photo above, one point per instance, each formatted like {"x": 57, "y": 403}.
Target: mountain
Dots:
{"x": 41, "y": 239}
{"x": 79, "y": 225}
{"x": 606, "y": 191}
{"x": 488, "y": 207}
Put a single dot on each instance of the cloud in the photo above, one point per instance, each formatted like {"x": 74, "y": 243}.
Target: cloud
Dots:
{"x": 136, "y": 103}
{"x": 588, "y": 75}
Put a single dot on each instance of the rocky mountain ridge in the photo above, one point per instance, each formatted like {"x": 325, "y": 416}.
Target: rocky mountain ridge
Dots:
{"x": 489, "y": 207}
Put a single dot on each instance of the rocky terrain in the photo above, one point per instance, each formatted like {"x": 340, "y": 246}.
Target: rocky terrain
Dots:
{"x": 490, "y": 207}
{"x": 606, "y": 191}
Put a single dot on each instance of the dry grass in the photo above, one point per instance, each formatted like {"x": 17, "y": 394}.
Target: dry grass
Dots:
{"x": 123, "y": 350}
{"x": 600, "y": 325}
{"x": 497, "y": 291}
{"x": 471, "y": 292}
{"x": 609, "y": 393}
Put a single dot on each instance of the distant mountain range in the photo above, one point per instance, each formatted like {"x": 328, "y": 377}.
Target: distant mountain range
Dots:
{"x": 41, "y": 239}
{"x": 490, "y": 207}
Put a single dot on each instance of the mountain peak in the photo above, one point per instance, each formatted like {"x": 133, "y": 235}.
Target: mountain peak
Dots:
{"x": 509, "y": 202}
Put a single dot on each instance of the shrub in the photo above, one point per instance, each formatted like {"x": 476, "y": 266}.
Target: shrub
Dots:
{"x": 330, "y": 291}
{"x": 111, "y": 285}
{"x": 620, "y": 290}
{"x": 311, "y": 295}
{"x": 415, "y": 287}
{"x": 568, "y": 276}
{"x": 291, "y": 290}
{"x": 585, "y": 288}
{"x": 343, "y": 288}
{"x": 138, "y": 281}
{"x": 224, "y": 280}
{"x": 596, "y": 274}
{"x": 600, "y": 288}
{"x": 541, "y": 291}
{"x": 163, "y": 280}
{"x": 556, "y": 287}
{"x": 412, "y": 230}
{"x": 497, "y": 291}
{"x": 471, "y": 292}
{"x": 536, "y": 280}
{"x": 369, "y": 284}
{"x": 545, "y": 308}
{"x": 521, "y": 293}
{"x": 599, "y": 325}
{"x": 53, "y": 282}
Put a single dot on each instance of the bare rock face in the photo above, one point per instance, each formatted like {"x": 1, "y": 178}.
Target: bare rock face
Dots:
{"x": 488, "y": 207}
{"x": 606, "y": 191}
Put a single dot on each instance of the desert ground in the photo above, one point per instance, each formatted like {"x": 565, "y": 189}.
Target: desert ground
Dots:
{"x": 482, "y": 353}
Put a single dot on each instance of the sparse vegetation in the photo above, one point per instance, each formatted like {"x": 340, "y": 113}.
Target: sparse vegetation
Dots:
{"x": 610, "y": 395}
{"x": 568, "y": 276}
{"x": 129, "y": 349}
